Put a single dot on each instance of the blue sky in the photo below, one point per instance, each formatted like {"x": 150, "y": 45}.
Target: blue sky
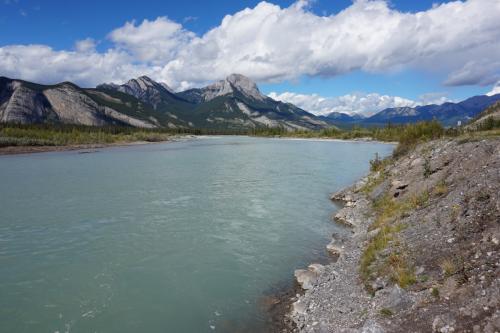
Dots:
{"x": 58, "y": 25}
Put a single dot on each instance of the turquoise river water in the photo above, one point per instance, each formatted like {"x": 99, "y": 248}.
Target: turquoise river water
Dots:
{"x": 174, "y": 237}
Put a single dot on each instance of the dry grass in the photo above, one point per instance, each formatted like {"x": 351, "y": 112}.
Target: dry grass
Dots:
{"x": 388, "y": 215}
{"x": 440, "y": 189}
{"x": 448, "y": 267}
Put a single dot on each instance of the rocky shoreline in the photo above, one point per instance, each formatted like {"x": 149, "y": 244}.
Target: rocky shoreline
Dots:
{"x": 438, "y": 268}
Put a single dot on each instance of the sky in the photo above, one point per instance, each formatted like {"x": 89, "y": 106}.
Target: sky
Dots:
{"x": 323, "y": 55}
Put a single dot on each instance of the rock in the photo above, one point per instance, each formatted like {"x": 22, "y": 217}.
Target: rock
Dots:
{"x": 306, "y": 278}
{"x": 341, "y": 218}
{"x": 299, "y": 308}
{"x": 443, "y": 324}
{"x": 316, "y": 268}
{"x": 399, "y": 185}
{"x": 350, "y": 203}
{"x": 333, "y": 249}
{"x": 379, "y": 191}
{"x": 373, "y": 233}
{"x": 371, "y": 326}
{"x": 394, "y": 298}
{"x": 417, "y": 162}
{"x": 379, "y": 284}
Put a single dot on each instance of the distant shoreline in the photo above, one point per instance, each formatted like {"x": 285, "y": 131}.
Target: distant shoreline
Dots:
{"x": 18, "y": 150}
{"x": 367, "y": 139}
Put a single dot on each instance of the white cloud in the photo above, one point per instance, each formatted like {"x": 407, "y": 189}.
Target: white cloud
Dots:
{"x": 270, "y": 43}
{"x": 155, "y": 41}
{"x": 41, "y": 63}
{"x": 458, "y": 40}
{"x": 365, "y": 104}
{"x": 85, "y": 45}
{"x": 433, "y": 98}
{"x": 495, "y": 90}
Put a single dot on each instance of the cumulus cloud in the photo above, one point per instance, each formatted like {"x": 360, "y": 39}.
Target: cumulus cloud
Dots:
{"x": 85, "y": 45}
{"x": 359, "y": 103}
{"x": 155, "y": 41}
{"x": 41, "y": 63}
{"x": 495, "y": 90}
{"x": 458, "y": 40}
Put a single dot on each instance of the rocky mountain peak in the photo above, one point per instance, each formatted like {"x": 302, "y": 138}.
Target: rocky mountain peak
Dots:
{"x": 144, "y": 88}
{"x": 245, "y": 85}
{"x": 142, "y": 83}
{"x": 232, "y": 83}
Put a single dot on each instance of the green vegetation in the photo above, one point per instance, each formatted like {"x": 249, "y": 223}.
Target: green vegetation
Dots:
{"x": 386, "y": 312}
{"x": 435, "y": 292}
{"x": 408, "y": 134}
{"x": 488, "y": 124}
{"x": 63, "y": 135}
{"x": 396, "y": 266}
{"x": 427, "y": 168}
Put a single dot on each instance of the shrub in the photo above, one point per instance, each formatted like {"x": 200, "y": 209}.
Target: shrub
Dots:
{"x": 427, "y": 168}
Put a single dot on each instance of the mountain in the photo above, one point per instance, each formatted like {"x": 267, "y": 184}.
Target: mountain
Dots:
{"x": 237, "y": 101}
{"x": 234, "y": 83}
{"x": 342, "y": 120}
{"x": 148, "y": 91}
{"x": 27, "y": 103}
{"x": 234, "y": 103}
{"x": 488, "y": 118}
{"x": 449, "y": 114}
{"x": 231, "y": 104}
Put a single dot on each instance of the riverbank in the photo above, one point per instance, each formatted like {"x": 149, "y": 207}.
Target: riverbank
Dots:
{"x": 15, "y": 150}
{"x": 424, "y": 249}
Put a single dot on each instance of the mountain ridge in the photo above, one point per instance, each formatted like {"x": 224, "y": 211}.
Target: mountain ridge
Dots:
{"x": 234, "y": 103}
{"x": 448, "y": 114}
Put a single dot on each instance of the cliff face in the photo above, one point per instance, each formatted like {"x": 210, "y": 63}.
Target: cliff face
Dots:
{"x": 424, "y": 255}
{"x": 27, "y": 103}
{"x": 22, "y": 105}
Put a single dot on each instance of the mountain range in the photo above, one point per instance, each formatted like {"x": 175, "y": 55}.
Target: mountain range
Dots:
{"x": 234, "y": 103}
{"x": 448, "y": 114}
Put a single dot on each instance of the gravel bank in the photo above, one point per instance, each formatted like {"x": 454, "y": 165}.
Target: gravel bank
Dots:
{"x": 433, "y": 218}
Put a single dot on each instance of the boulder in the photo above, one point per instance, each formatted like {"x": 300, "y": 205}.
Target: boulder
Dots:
{"x": 307, "y": 278}
{"x": 394, "y": 298}
{"x": 334, "y": 249}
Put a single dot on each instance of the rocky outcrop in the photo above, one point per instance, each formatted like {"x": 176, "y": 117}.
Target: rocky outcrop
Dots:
{"x": 19, "y": 104}
{"x": 27, "y": 103}
{"x": 440, "y": 229}
{"x": 72, "y": 107}
{"x": 146, "y": 90}
{"x": 233, "y": 83}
